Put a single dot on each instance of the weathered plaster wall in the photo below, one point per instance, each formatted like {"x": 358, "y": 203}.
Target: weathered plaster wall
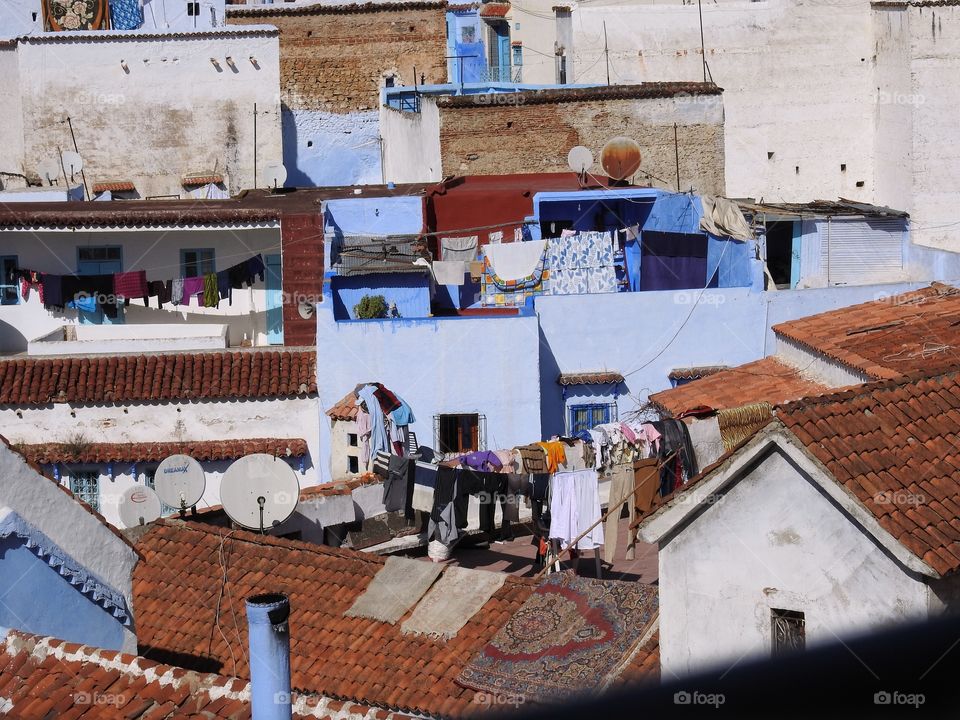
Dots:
{"x": 171, "y": 113}
{"x": 11, "y": 119}
{"x": 57, "y": 515}
{"x": 323, "y": 148}
{"x": 795, "y": 550}
{"x": 411, "y": 144}
{"x": 797, "y": 83}
{"x": 485, "y": 138}
{"x": 157, "y": 252}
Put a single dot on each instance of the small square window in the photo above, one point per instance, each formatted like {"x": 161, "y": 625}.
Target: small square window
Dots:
{"x": 353, "y": 464}
{"x": 85, "y": 484}
{"x": 197, "y": 262}
{"x": 586, "y": 417}
{"x": 352, "y": 439}
{"x": 458, "y": 433}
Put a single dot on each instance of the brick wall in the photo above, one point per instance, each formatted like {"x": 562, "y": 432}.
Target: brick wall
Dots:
{"x": 301, "y": 237}
{"x": 333, "y": 58}
{"x": 483, "y": 137}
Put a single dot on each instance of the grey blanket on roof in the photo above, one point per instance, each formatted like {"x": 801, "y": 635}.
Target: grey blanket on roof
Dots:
{"x": 458, "y": 596}
{"x": 399, "y": 584}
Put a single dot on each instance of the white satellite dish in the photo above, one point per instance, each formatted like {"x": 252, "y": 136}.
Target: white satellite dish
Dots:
{"x": 72, "y": 162}
{"x": 274, "y": 175}
{"x": 580, "y": 159}
{"x": 180, "y": 481}
{"x": 138, "y": 506}
{"x": 259, "y": 491}
{"x": 306, "y": 309}
{"x": 49, "y": 170}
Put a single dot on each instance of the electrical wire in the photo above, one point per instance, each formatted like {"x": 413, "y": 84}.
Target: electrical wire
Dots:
{"x": 223, "y": 586}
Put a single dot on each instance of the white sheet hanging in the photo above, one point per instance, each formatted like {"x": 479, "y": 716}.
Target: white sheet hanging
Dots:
{"x": 515, "y": 261}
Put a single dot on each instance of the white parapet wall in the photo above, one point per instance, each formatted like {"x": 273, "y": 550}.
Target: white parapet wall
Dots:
{"x": 114, "y": 339}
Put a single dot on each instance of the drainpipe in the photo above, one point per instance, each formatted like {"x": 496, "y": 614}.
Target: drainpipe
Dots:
{"x": 269, "y": 630}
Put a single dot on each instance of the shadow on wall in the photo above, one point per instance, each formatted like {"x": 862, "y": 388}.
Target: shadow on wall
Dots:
{"x": 326, "y": 149}
{"x": 551, "y": 396}
{"x": 11, "y": 339}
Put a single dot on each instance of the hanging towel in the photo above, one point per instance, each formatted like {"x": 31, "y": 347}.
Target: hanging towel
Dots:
{"x": 461, "y": 248}
{"x": 723, "y": 218}
{"x": 52, "y": 288}
{"x": 192, "y": 286}
{"x": 125, "y": 14}
{"x": 176, "y": 291}
{"x": 160, "y": 290}
{"x": 403, "y": 415}
{"x": 223, "y": 286}
{"x": 449, "y": 272}
{"x": 255, "y": 268}
{"x": 515, "y": 261}
{"x": 131, "y": 285}
{"x": 211, "y": 290}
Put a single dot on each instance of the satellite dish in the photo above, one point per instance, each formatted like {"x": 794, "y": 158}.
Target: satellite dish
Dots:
{"x": 580, "y": 159}
{"x": 274, "y": 175}
{"x": 138, "y": 506}
{"x": 259, "y": 491}
{"x": 306, "y": 309}
{"x": 180, "y": 481}
{"x": 620, "y": 157}
{"x": 72, "y": 162}
{"x": 49, "y": 170}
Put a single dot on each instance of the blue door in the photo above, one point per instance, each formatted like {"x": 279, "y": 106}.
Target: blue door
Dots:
{"x": 274, "y": 300}
{"x": 503, "y": 40}
{"x": 99, "y": 260}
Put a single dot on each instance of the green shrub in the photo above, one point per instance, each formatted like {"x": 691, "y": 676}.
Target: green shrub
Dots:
{"x": 371, "y": 307}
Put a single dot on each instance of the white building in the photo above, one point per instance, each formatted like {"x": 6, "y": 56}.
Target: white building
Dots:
{"x": 20, "y": 17}
{"x": 818, "y": 528}
{"x": 148, "y": 111}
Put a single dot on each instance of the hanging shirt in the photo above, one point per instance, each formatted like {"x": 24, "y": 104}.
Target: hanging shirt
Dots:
{"x": 556, "y": 455}
{"x": 131, "y": 285}
{"x": 191, "y": 286}
{"x": 176, "y": 291}
{"x": 483, "y": 460}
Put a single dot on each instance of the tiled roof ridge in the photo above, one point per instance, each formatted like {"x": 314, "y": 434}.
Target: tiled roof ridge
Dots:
{"x": 630, "y": 91}
{"x": 216, "y": 686}
{"x": 331, "y": 8}
{"x": 210, "y": 450}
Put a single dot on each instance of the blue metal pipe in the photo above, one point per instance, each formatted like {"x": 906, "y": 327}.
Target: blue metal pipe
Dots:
{"x": 269, "y": 631}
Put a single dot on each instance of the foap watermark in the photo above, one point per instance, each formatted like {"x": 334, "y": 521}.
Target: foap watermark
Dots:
{"x": 895, "y": 697}
{"x": 899, "y": 497}
{"x": 699, "y": 298}
{"x": 698, "y": 698}
{"x": 498, "y": 699}
{"x": 684, "y": 98}
{"x": 100, "y": 699}
{"x": 96, "y": 98}
{"x": 694, "y": 499}
{"x": 504, "y": 98}
{"x": 883, "y": 97}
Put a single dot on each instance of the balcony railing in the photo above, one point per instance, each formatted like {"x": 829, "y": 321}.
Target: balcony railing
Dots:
{"x": 498, "y": 74}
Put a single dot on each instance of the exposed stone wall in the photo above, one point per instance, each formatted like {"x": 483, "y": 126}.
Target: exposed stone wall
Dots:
{"x": 486, "y": 138}
{"x": 334, "y": 58}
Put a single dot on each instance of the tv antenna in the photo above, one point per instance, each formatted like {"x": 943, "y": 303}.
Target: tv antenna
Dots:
{"x": 580, "y": 160}
{"x": 274, "y": 175}
{"x": 139, "y": 505}
{"x": 180, "y": 482}
{"x": 259, "y": 491}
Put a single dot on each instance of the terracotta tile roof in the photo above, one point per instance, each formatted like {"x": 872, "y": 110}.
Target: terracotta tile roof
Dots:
{"x": 47, "y": 453}
{"x": 202, "y": 179}
{"x": 593, "y": 94}
{"x": 177, "y": 587}
{"x": 602, "y": 377}
{"x": 885, "y": 338}
{"x": 46, "y": 677}
{"x": 341, "y": 487}
{"x": 895, "y": 445}
{"x": 345, "y": 409}
{"x": 143, "y": 378}
{"x": 768, "y": 380}
{"x": 695, "y": 373}
{"x": 118, "y": 186}
{"x": 644, "y": 666}
{"x": 495, "y": 9}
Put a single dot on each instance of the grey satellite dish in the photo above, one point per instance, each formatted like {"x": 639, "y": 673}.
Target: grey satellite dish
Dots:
{"x": 49, "y": 170}
{"x": 259, "y": 491}
{"x": 138, "y": 506}
{"x": 180, "y": 481}
{"x": 274, "y": 175}
{"x": 580, "y": 159}
{"x": 306, "y": 309}
{"x": 72, "y": 162}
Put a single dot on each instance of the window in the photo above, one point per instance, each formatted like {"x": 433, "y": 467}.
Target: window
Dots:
{"x": 99, "y": 254}
{"x": 352, "y": 439}
{"x": 197, "y": 262}
{"x": 459, "y": 433}
{"x": 585, "y": 417}
{"x": 9, "y": 293}
{"x": 85, "y": 484}
{"x": 517, "y": 55}
{"x": 788, "y": 631}
{"x": 150, "y": 479}
{"x": 353, "y": 464}
{"x": 193, "y": 9}
{"x": 780, "y": 253}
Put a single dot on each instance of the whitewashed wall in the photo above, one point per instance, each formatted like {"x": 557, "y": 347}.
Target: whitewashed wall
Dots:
{"x": 773, "y": 541}
{"x": 172, "y": 15}
{"x": 171, "y": 112}
{"x": 411, "y": 143}
{"x": 18, "y": 17}
{"x": 11, "y": 119}
{"x": 157, "y": 252}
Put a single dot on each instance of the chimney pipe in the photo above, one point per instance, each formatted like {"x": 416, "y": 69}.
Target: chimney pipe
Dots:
{"x": 269, "y": 631}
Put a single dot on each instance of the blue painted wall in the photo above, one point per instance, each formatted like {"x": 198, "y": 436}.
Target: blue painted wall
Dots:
{"x": 409, "y": 291}
{"x": 330, "y": 149}
{"x": 401, "y": 215}
{"x": 35, "y": 598}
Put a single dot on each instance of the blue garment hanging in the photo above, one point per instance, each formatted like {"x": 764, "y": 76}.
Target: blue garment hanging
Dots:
{"x": 126, "y": 14}
{"x": 378, "y": 432}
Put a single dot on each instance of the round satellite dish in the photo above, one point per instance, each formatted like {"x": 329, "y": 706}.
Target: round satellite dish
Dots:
{"x": 274, "y": 175}
{"x": 138, "y": 506}
{"x": 580, "y": 159}
{"x": 72, "y": 162}
{"x": 259, "y": 491}
{"x": 306, "y": 309}
{"x": 49, "y": 170}
{"x": 180, "y": 481}
{"x": 620, "y": 158}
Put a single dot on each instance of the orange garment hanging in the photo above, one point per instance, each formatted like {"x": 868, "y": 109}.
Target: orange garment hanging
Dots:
{"x": 556, "y": 455}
